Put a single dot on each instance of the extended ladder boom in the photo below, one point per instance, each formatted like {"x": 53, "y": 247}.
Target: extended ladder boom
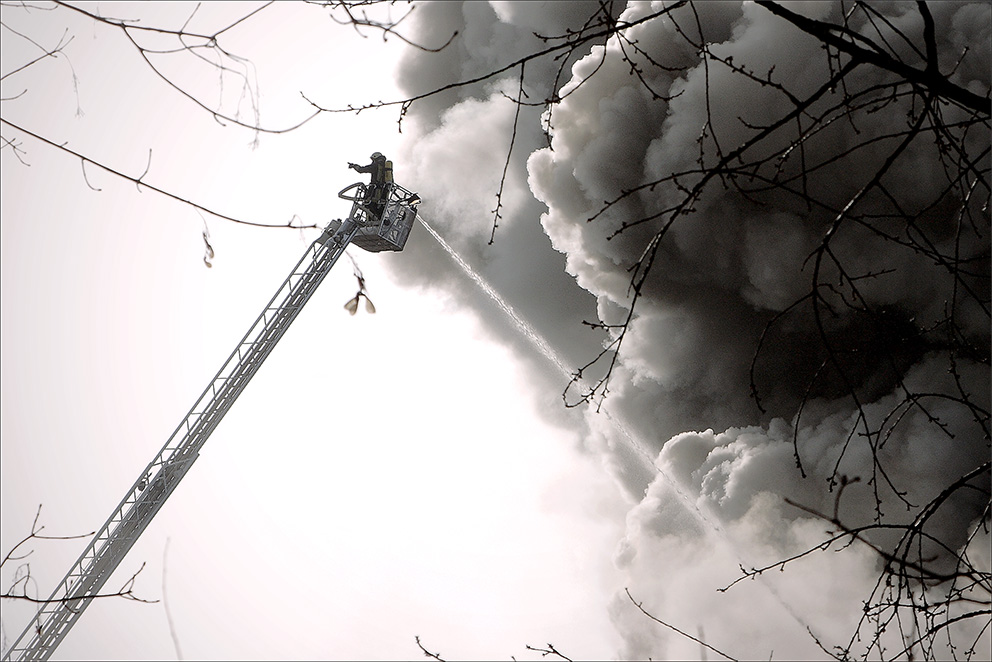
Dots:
{"x": 149, "y": 492}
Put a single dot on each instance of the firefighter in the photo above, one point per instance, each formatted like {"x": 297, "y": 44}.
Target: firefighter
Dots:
{"x": 382, "y": 175}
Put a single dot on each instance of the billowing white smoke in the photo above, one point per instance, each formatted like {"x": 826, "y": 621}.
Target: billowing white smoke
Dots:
{"x": 722, "y": 273}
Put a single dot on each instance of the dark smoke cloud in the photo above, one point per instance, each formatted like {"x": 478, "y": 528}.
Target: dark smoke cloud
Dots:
{"x": 681, "y": 390}
{"x": 455, "y": 155}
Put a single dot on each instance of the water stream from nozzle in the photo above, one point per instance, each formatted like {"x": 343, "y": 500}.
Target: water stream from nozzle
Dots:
{"x": 548, "y": 351}
{"x": 692, "y": 507}
{"x": 540, "y": 343}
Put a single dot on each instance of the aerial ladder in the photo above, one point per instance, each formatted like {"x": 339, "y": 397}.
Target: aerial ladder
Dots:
{"x": 381, "y": 219}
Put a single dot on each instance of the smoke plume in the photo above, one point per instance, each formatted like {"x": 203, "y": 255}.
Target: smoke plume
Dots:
{"x": 723, "y": 465}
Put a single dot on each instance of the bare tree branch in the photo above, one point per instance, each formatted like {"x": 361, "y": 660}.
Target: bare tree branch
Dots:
{"x": 137, "y": 181}
{"x": 427, "y": 653}
{"x": 23, "y": 578}
{"x": 930, "y": 78}
{"x": 675, "y": 629}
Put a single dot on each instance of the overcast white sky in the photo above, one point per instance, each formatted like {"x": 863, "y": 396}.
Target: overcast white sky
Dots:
{"x": 413, "y": 472}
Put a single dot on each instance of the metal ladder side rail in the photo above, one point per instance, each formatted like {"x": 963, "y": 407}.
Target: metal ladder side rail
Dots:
{"x": 60, "y": 615}
{"x": 320, "y": 262}
{"x": 307, "y": 278}
{"x": 64, "y": 614}
{"x": 54, "y": 619}
{"x": 119, "y": 515}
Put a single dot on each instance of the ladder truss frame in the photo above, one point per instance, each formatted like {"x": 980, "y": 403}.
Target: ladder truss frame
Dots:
{"x": 111, "y": 543}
